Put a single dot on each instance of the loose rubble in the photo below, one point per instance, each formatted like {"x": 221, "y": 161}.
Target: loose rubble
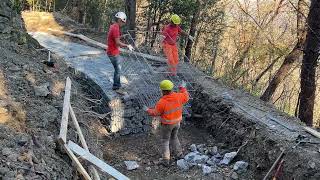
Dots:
{"x": 210, "y": 160}
{"x": 131, "y": 165}
{"x": 240, "y": 166}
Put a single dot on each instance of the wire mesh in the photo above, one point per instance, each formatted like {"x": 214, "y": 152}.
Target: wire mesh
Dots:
{"x": 144, "y": 74}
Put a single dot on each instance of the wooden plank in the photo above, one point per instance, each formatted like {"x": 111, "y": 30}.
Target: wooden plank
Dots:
{"x": 83, "y": 141}
{"x": 312, "y": 131}
{"x": 103, "y": 46}
{"x": 96, "y": 161}
{"x": 76, "y": 124}
{"x": 65, "y": 113}
{"x": 77, "y": 163}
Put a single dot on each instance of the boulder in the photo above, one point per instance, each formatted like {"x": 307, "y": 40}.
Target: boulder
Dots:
{"x": 228, "y": 157}
{"x": 183, "y": 164}
{"x": 42, "y": 90}
{"x": 193, "y": 148}
{"x": 206, "y": 169}
{"x": 240, "y": 166}
{"x": 131, "y": 165}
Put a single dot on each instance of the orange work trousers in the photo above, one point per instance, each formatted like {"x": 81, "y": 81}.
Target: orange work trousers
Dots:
{"x": 171, "y": 52}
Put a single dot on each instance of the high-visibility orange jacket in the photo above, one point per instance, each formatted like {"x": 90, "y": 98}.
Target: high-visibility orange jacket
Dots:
{"x": 170, "y": 107}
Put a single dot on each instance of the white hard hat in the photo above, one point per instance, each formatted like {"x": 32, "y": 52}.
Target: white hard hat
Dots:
{"x": 122, "y": 16}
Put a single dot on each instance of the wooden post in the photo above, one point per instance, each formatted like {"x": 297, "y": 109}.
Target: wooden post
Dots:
{"x": 96, "y": 161}
{"x": 77, "y": 163}
{"x": 83, "y": 141}
{"x": 65, "y": 113}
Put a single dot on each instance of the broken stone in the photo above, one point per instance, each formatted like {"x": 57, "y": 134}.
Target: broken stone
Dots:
{"x": 42, "y": 90}
{"x": 3, "y": 171}
{"x": 6, "y": 151}
{"x": 183, "y": 164}
{"x": 146, "y": 128}
{"x": 234, "y": 175}
{"x": 189, "y": 157}
{"x": 216, "y": 176}
{"x": 148, "y": 168}
{"x": 311, "y": 164}
{"x": 193, "y": 147}
{"x": 206, "y": 169}
{"x": 228, "y": 157}
{"x": 211, "y": 161}
{"x": 213, "y": 150}
{"x": 131, "y": 165}
{"x": 201, "y": 148}
{"x": 124, "y": 131}
{"x": 13, "y": 157}
{"x": 200, "y": 159}
{"x": 240, "y": 166}
{"x": 22, "y": 140}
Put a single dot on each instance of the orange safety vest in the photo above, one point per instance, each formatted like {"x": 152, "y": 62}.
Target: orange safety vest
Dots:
{"x": 170, "y": 107}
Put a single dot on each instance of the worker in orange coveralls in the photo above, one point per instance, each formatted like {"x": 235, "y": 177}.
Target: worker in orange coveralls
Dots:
{"x": 169, "y": 108}
{"x": 170, "y": 34}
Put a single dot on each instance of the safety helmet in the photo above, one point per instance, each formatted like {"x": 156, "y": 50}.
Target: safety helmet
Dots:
{"x": 175, "y": 19}
{"x": 166, "y": 85}
{"x": 122, "y": 16}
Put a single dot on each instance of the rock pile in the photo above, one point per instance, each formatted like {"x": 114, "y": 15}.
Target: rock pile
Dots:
{"x": 210, "y": 160}
{"x": 132, "y": 119}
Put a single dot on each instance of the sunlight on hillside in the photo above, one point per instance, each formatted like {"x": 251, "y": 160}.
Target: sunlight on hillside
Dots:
{"x": 11, "y": 112}
{"x": 40, "y": 21}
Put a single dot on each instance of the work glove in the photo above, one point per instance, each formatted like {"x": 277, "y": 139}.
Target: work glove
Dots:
{"x": 183, "y": 84}
{"x": 191, "y": 38}
{"x": 145, "y": 108}
{"x": 130, "y": 47}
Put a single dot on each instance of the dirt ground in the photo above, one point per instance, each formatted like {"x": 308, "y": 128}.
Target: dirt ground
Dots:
{"x": 144, "y": 148}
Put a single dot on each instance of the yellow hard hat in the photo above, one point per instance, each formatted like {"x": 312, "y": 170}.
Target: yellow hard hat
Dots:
{"x": 175, "y": 19}
{"x": 166, "y": 85}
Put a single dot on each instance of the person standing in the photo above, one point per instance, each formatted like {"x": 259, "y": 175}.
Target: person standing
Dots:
{"x": 169, "y": 108}
{"x": 170, "y": 34}
{"x": 114, "y": 44}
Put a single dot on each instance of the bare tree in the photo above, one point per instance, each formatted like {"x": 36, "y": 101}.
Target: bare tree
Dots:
{"x": 291, "y": 58}
{"x": 309, "y": 63}
{"x": 192, "y": 32}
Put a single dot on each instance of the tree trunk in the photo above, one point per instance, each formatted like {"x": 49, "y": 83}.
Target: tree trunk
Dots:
{"x": 192, "y": 32}
{"x": 309, "y": 64}
{"x": 131, "y": 12}
{"x": 286, "y": 66}
{"x": 291, "y": 58}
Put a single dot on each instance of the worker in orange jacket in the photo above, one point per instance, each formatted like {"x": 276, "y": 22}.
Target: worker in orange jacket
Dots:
{"x": 169, "y": 108}
{"x": 169, "y": 35}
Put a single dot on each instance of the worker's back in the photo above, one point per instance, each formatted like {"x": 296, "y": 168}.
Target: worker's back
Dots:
{"x": 170, "y": 106}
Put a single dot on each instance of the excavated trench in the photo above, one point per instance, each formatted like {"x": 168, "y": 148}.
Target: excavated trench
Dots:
{"x": 231, "y": 131}
{"x": 259, "y": 146}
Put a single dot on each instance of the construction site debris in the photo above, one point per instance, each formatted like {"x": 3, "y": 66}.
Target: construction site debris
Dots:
{"x": 193, "y": 147}
{"x": 240, "y": 166}
{"x": 42, "y": 90}
{"x": 131, "y": 165}
{"x": 183, "y": 164}
{"x": 206, "y": 169}
{"x": 228, "y": 157}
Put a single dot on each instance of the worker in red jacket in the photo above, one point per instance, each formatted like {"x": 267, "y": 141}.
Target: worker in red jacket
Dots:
{"x": 114, "y": 44}
{"x": 170, "y": 34}
{"x": 169, "y": 108}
